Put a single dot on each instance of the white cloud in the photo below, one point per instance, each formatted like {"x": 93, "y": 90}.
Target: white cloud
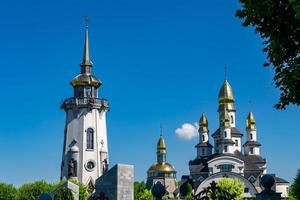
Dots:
{"x": 187, "y": 131}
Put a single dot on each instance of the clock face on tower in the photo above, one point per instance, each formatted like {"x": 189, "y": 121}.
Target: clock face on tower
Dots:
{"x": 90, "y": 165}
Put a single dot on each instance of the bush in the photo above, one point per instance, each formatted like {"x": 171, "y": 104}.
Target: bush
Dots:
{"x": 32, "y": 191}
{"x": 7, "y": 191}
{"x": 233, "y": 186}
{"x": 64, "y": 194}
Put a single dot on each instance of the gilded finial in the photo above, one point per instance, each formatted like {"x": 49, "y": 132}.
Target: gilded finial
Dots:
{"x": 86, "y": 21}
{"x": 225, "y": 72}
{"x": 250, "y": 122}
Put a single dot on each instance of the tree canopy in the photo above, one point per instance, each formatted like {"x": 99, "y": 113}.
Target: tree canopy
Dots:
{"x": 278, "y": 23}
{"x": 233, "y": 186}
{"x": 295, "y": 187}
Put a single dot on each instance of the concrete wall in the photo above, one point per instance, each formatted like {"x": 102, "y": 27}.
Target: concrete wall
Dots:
{"x": 117, "y": 183}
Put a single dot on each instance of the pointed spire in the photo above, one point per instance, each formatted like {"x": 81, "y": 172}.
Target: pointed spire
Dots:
{"x": 250, "y": 122}
{"x": 203, "y": 123}
{"x": 86, "y": 51}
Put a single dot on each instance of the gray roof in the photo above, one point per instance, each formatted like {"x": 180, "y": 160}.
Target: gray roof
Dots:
{"x": 250, "y": 161}
{"x": 234, "y": 132}
{"x": 226, "y": 141}
{"x": 252, "y": 143}
{"x": 204, "y": 144}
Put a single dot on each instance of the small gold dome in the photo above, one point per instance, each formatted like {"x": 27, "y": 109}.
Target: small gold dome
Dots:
{"x": 224, "y": 119}
{"x": 85, "y": 80}
{"x": 203, "y": 123}
{"x": 250, "y": 122}
{"x": 226, "y": 94}
{"x": 162, "y": 167}
{"x": 161, "y": 145}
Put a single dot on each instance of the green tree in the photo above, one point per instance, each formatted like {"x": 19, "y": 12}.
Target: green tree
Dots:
{"x": 139, "y": 189}
{"x": 7, "y": 191}
{"x": 146, "y": 195}
{"x": 64, "y": 194}
{"x": 278, "y": 23}
{"x": 294, "y": 191}
{"x": 233, "y": 186}
{"x": 83, "y": 190}
{"x": 31, "y": 191}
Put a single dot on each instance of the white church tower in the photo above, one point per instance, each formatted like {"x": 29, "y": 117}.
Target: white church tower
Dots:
{"x": 85, "y": 149}
{"x": 252, "y": 146}
{"x": 229, "y": 139}
{"x": 204, "y": 148}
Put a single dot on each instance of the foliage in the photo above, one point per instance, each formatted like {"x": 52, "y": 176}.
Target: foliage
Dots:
{"x": 294, "y": 191}
{"x": 83, "y": 190}
{"x": 233, "y": 186}
{"x": 186, "y": 189}
{"x": 139, "y": 189}
{"x": 278, "y": 23}
{"x": 189, "y": 197}
{"x": 146, "y": 195}
{"x": 7, "y": 191}
{"x": 64, "y": 194}
{"x": 31, "y": 191}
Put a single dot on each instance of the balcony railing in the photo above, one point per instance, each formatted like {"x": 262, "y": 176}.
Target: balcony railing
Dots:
{"x": 85, "y": 102}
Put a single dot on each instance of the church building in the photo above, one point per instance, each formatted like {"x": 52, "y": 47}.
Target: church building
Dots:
{"x": 228, "y": 157}
{"x": 161, "y": 171}
{"x": 85, "y": 149}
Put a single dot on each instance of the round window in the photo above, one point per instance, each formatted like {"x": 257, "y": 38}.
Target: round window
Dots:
{"x": 90, "y": 165}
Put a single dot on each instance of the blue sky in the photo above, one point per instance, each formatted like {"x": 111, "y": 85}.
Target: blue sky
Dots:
{"x": 159, "y": 61}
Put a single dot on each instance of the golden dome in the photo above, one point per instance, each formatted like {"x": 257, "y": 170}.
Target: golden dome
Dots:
{"x": 162, "y": 167}
{"x": 203, "y": 123}
{"x": 226, "y": 94}
{"x": 161, "y": 146}
{"x": 250, "y": 122}
{"x": 85, "y": 80}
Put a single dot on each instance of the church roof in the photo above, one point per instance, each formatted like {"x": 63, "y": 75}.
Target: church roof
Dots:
{"x": 250, "y": 161}
{"x": 234, "y": 133}
{"x": 204, "y": 144}
{"x": 252, "y": 143}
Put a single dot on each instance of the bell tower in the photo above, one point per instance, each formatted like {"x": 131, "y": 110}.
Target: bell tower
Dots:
{"x": 85, "y": 148}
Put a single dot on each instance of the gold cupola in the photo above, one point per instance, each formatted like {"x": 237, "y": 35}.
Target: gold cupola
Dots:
{"x": 161, "y": 146}
{"x": 203, "y": 124}
{"x": 226, "y": 98}
{"x": 224, "y": 118}
{"x": 226, "y": 94}
{"x": 161, "y": 165}
{"x": 250, "y": 121}
{"x": 85, "y": 78}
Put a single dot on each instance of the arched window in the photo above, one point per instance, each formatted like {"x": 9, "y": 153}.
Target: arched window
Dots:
{"x": 90, "y": 138}
{"x": 203, "y": 138}
{"x": 231, "y": 119}
{"x": 225, "y": 134}
{"x": 251, "y": 136}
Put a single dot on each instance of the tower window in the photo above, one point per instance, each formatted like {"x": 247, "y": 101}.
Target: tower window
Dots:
{"x": 90, "y": 138}
{"x": 225, "y": 148}
{"x": 203, "y": 152}
{"x": 203, "y": 138}
{"x": 251, "y": 136}
{"x": 236, "y": 143}
{"x": 225, "y": 134}
{"x": 251, "y": 150}
{"x": 231, "y": 119}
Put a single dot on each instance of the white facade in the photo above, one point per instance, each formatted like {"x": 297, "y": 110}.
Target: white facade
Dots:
{"x": 85, "y": 149}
